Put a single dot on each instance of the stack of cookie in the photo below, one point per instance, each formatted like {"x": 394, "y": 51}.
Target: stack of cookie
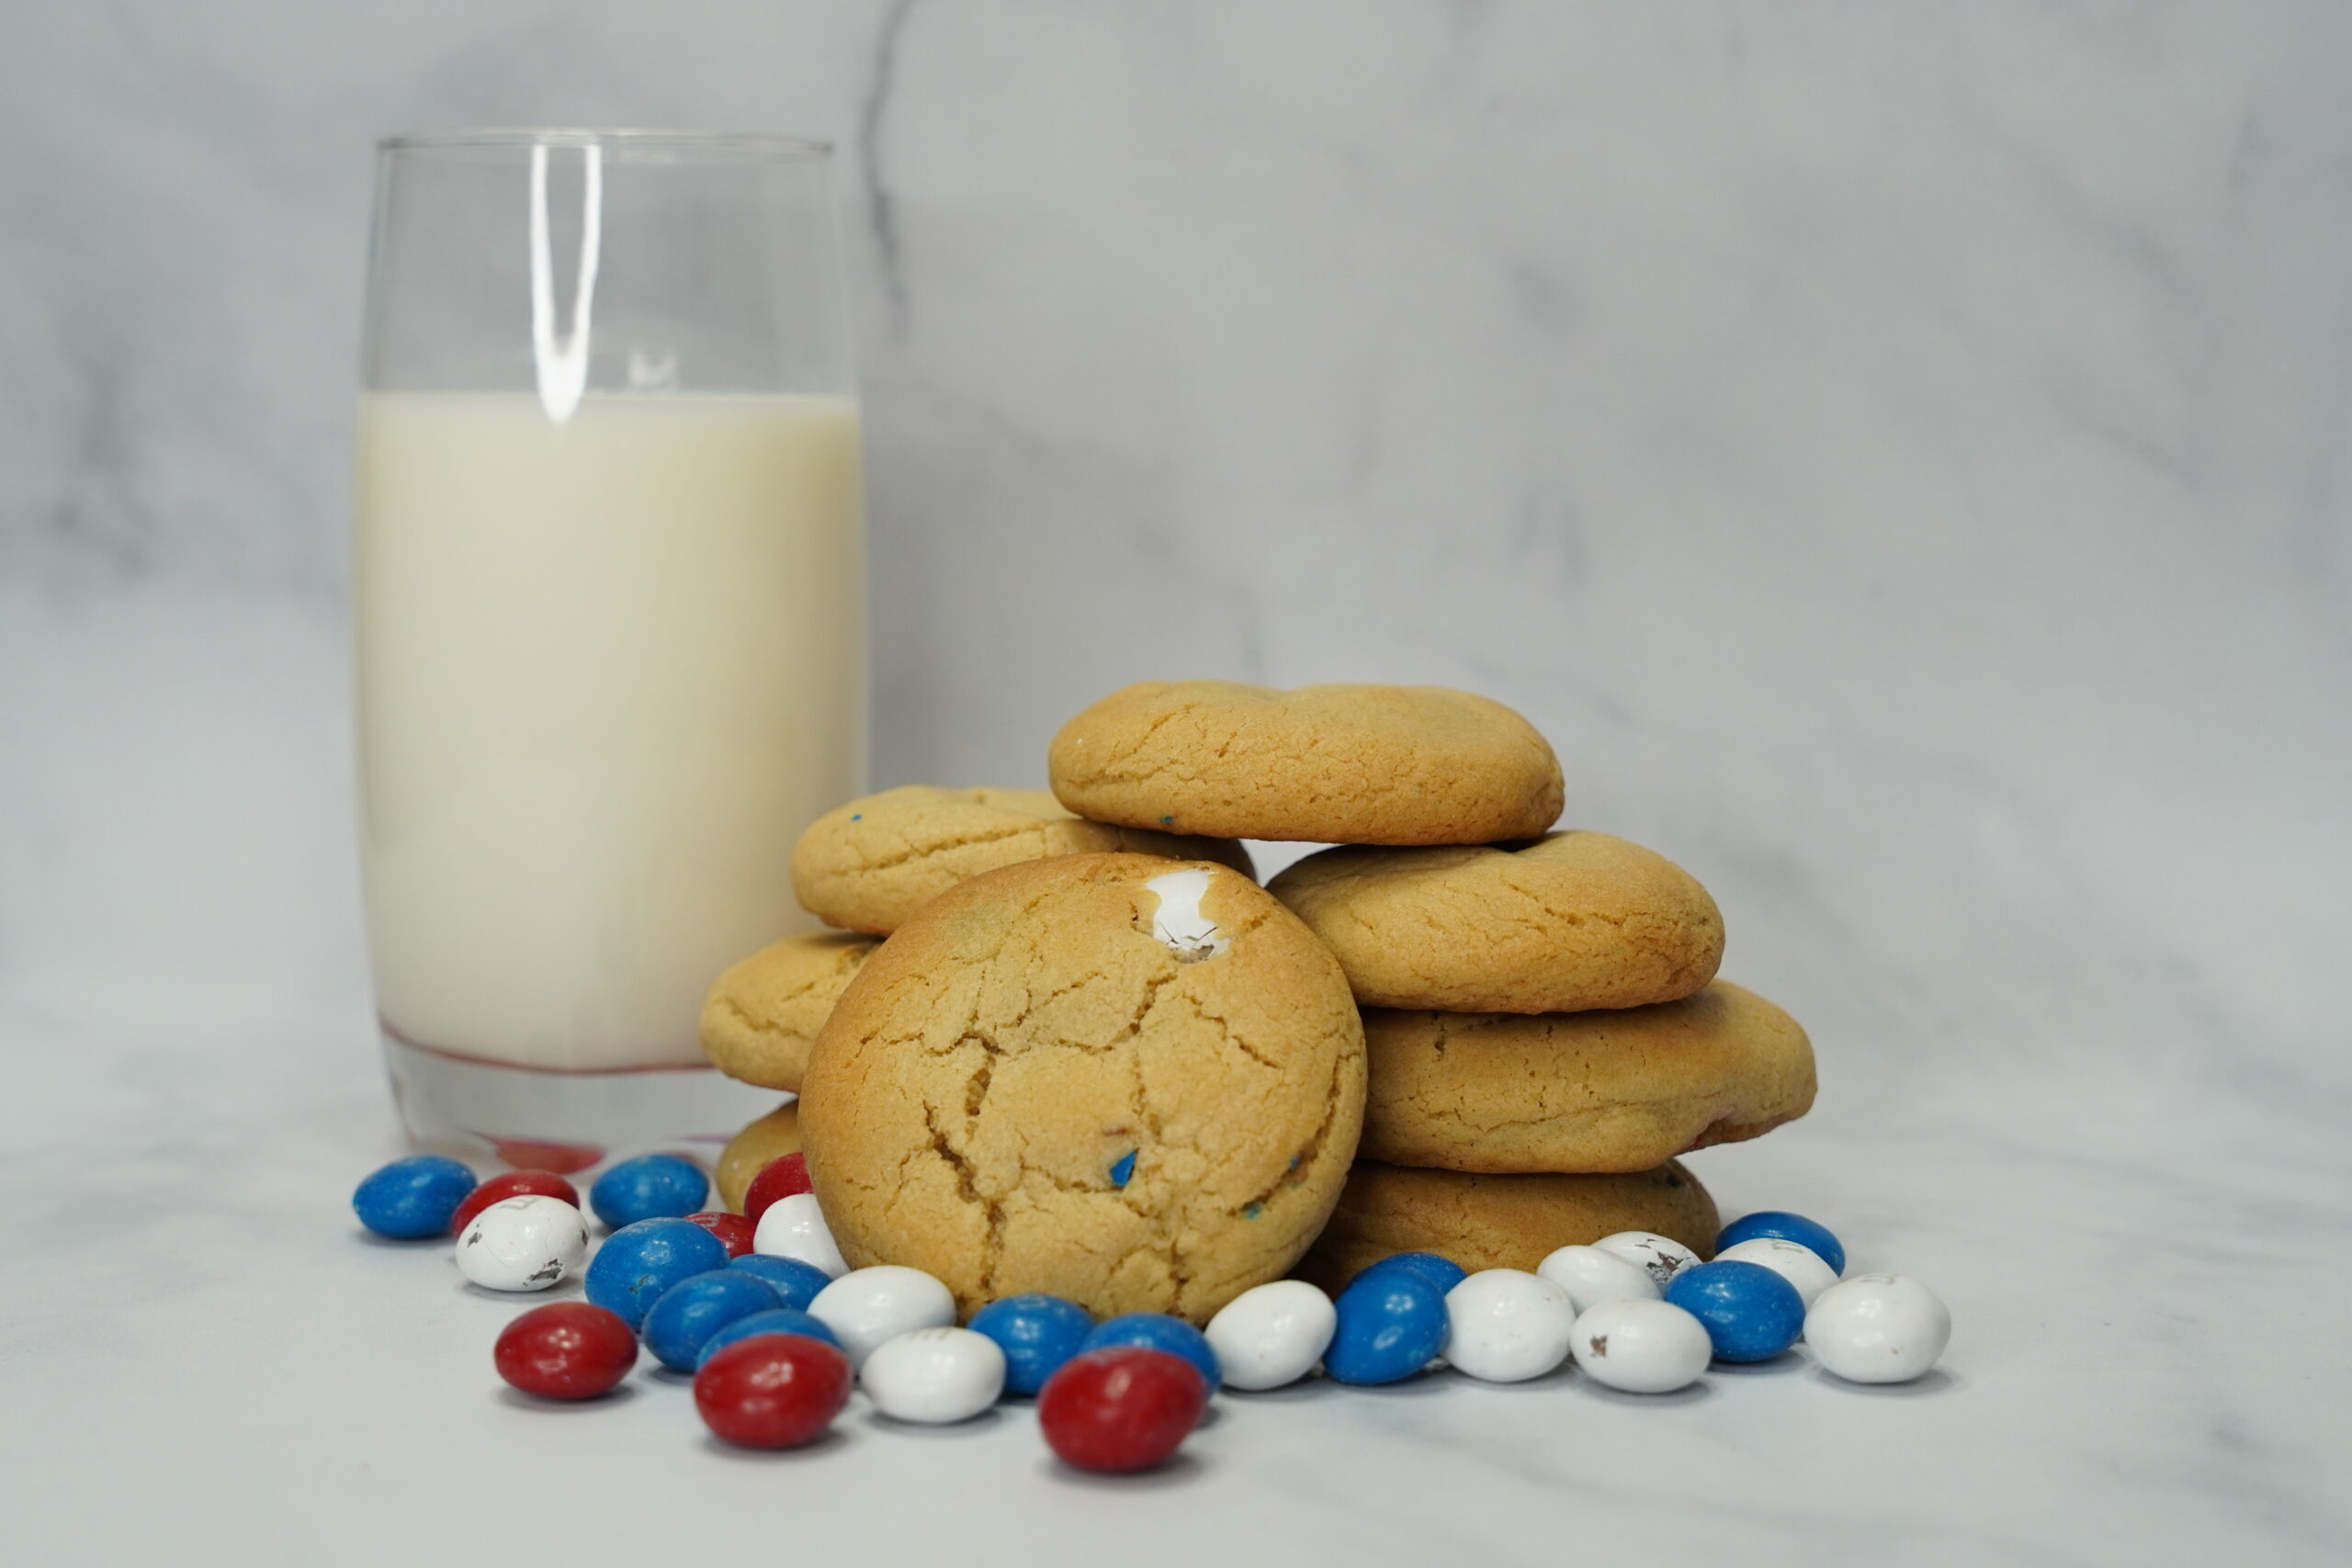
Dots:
{"x": 1544, "y": 1027}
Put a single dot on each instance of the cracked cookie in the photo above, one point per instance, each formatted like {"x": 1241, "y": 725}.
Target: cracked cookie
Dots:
{"x": 1499, "y": 1222}
{"x": 1325, "y": 764}
{"x": 1612, "y": 1091}
{"x": 871, "y": 863}
{"x": 763, "y": 1013}
{"x": 1569, "y": 921}
{"x": 771, "y": 1138}
{"x": 1132, "y": 1083}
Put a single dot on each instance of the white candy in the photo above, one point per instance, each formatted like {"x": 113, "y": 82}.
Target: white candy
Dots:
{"x": 1878, "y": 1328}
{"x": 1273, "y": 1335}
{"x": 1641, "y": 1347}
{"x": 1792, "y": 1261}
{"x": 1179, "y": 922}
{"x": 934, "y": 1375}
{"x": 526, "y": 1243}
{"x": 794, "y": 1227}
{"x": 870, "y": 1307}
{"x": 1507, "y": 1326}
{"x": 1661, "y": 1254}
{"x": 1591, "y": 1277}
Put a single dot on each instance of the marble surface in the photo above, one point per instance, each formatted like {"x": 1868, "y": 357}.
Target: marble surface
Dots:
{"x": 1897, "y": 452}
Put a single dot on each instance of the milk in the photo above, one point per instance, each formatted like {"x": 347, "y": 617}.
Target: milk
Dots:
{"x": 609, "y": 669}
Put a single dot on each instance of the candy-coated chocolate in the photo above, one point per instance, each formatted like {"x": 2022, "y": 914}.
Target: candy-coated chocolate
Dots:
{"x": 934, "y": 1375}
{"x": 1799, "y": 1264}
{"x": 776, "y": 1320}
{"x": 1442, "y": 1272}
{"x": 638, "y": 1262}
{"x": 1661, "y": 1256}
{"x": 512, "y": 1184}
{"x": 650, "y": 1187}
{"x": 1391, "y": 1323}
{"x": 1123, "y": 1408}
{"x": 1640, "y": 1345}
{"x": 795, "y": 1227}
{"x": 1272, "y": 1334}
{"x": 781, "y": 1178}
{"x": 1507, "y": 1326}
{"x": 1785, "y": 1227}
{"x": 1159, "y": 1331}
{"x": 866, "y": 1307}
{"x": 679, "y": 1324}
{"x": 524, "y": 1242}
{"x": 772, "y": 1391}
{"x": 1751, "y": 1313}
{"x": 1878, "y": 1328}
{"x": 1037, "y": 1333}
{"x": 733, "y": 1231}
{"x": 413, "y": 1198}
{"x": 796, "y": 1281}
{"x": 565, "y": 1351}
{"x": 1591, "y": 1276}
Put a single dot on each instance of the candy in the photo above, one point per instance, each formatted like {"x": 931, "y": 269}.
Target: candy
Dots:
{"x": 1037, "y": 1333}
{"x": 679, "y": 1324}
{"x": 934, "y": 1375}
{"x": 793, "y": 1228}
{"x": 780, "y": 1177}
{"x": 1878, "y": 1328}
{"x": 772, "y": 1391}
{"x": 638, "y": 1262}
{"x": 650, "y": 1187}
{"x": 1751, "y": 1313}
{"x": 1786, "y": 1227}
{"x": 866, "y": 1307}
{"x": 512, "y": 1184}
{"x": 1591, "y": 1276}
{"x": 1662, "y": 1256}
{"x": 796, "y": 1281}
{"x": 1125, "y": 1408}
{"x": 526, "y": 1243}
{"x": 1442, "y": 1272}
{"x": 413, "y": 1198}
{"x": 1391, "y": 1322}
{"x": 1641, "y": 1347}
{"x": 733, "y": 1231}
{"x": 1800, "y": 1266}
{"x": 565, "y": 1351}
{"x": 1157, "y": 1331}
{"x": 776, "y": 1320}
{"x": 1507, "y": 1326}
{"x": 1272, "y": 1334}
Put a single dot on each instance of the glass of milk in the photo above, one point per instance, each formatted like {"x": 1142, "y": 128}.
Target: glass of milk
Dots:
{"x": 611, "y": 615}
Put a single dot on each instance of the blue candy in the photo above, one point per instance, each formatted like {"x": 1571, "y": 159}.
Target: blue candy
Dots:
{"x": 1157, "y": 1331}
{"x": 650, "y": 1187}
{"x": 1442, "y": 1272}
{"x": 794, "y": 1281}
{"x": 694, "y": 1309}
{"x": 776, "y": 1320}
{"x": 1037, "y": 1334}
{"x": 638, "y": 1263}
{"x": 1785, "y": 1228}
{"x": 1391, "y": 1323}
{"x": 1751, "y": 1313}
{"x": 413, "y": 1198}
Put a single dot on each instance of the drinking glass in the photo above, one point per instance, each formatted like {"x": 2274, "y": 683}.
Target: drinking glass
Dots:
{"x": 610, "y": 600}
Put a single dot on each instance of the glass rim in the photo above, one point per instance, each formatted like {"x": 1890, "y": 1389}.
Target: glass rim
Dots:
{"x": 779, "y": 144}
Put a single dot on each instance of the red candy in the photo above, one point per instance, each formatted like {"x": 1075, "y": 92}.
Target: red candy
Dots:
{"x": 1119, "y": 1409}
{"x": 734, "y": 1230}
{"x": 780, "y": 1177}
{"x": 513, "y": 1184}
{"x": 772, "y": 1391}
{"x": 566, "y": 1350}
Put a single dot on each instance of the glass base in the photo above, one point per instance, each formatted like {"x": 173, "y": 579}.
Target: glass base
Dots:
{"x": 537, "y": 1120}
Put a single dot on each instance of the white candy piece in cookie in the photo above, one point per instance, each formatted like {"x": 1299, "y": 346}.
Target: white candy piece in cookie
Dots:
{"x": 1178, "y": 922}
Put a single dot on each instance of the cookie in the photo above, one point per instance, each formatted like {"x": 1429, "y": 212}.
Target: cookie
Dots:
{"x": 1499, "y": 1222}
{"x": 1569, "y": 921}
{"x": 1326, "y": 764}
{"x": 1622, "y": 1090}
{"x": 771, "y": 1138}
{"x": 763, "y": 1013}
{"x": 1132, "y": 1083}
{"x": 868, "y": 865}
